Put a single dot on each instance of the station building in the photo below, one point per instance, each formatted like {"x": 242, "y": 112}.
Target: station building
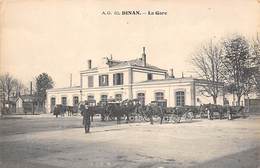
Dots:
{"x": 115, "y": 79}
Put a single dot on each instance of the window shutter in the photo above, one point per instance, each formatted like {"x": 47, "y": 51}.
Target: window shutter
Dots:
{"x": 114, "y": 79}
{"x": 122, "y": 79}
{"x": 107, "y": 80}
{"x": 99, "y": 79}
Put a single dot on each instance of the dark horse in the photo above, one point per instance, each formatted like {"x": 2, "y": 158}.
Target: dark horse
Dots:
{"x": 58, "y": 110}
{"x": 72, "y": 110}
{"x": 114, "y": 110}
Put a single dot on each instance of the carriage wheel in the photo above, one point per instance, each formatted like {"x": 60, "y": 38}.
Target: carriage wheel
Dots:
{"x": 189, "y": 116}
{"x": 156, "y": 118}
{"x": 176, "y": 119}
{"x": 132, "y": 118}
{"x": 166, "y": 118}
{"x": 146, "y": 118}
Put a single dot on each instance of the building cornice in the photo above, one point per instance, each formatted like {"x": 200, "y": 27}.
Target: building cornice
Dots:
{"x": 64, "y": 89}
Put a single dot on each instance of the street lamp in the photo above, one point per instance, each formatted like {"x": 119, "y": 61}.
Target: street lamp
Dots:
{"x": 80, "y": 95}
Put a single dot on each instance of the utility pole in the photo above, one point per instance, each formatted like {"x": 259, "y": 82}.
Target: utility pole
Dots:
{"x": 31, "y": 88}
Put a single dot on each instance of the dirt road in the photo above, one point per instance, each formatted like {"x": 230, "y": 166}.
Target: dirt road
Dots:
{"x": 200, "y": 143}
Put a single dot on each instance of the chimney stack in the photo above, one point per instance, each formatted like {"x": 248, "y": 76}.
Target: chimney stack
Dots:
{"x": 89, "y": 64}
{"x": 171, "y": 73}
{"x": 144, "y": 57}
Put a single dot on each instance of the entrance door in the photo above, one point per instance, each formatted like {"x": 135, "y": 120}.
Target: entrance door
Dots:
{"x": 53, "y": 103}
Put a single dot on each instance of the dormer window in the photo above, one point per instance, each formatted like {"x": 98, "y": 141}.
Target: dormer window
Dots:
{"x": 149, "y": 76}
{"x": 103, "y": 80}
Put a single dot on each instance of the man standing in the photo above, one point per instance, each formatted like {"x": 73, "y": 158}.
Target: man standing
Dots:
{"x": 86, "y": 117}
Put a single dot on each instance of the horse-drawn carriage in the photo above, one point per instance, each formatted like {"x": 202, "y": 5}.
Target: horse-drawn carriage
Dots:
{"x": 134, "y": 110}
{"x": 159, "y": 111}
{"x": 99, "y": 108}
{"x": 60, "y": 109}
{"x": 212, "y": 111}
{"x": 176, "y": 114}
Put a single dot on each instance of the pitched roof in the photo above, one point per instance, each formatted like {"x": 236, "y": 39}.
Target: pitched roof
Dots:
{"x": 28, "y": 97}
{"x": 176, "y": 80}
{"x": 135, "y": 62}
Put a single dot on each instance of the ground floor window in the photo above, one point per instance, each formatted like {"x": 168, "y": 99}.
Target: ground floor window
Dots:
{"x": 180, "y": 98}
{"x": 75, "y": 100}
{"x": 159, "y": 96}
{"x": 64, "y": 101}
{"x": 53, "y": 101}
{"x": 118, "y": 97}
{"x": 91, "y": 97}
{"x": 103, "y": 98}
{"x": 141, "y": 98}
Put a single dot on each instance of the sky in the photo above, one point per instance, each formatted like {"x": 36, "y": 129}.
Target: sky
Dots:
{"x": 59, "y": 36}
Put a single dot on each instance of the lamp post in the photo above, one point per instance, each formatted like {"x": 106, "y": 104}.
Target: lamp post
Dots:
{"x": 80, "y": 95}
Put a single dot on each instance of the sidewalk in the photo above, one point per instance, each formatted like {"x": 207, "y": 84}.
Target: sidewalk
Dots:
{"x": 28, "y": 116}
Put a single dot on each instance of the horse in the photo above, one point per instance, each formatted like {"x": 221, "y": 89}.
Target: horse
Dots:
{"x": 210, "y": 109}
{"x": 57, "y": 110}
{"x": 114, "y": 110}
{"x": 128, "y": 108}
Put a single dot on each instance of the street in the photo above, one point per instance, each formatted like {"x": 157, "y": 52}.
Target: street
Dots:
{"x": 61, "y": 143}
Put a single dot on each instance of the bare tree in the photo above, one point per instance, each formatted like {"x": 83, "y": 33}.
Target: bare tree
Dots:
{"x": 9, "y": 85}
{"x": 238, "y": 68}
{"x": 19, "y": 87}
{"x": 208, "y": 66}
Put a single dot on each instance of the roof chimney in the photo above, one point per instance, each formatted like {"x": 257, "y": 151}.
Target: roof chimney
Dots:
{"x": 171, "y": 73}
{"x": 89, "y": 64}
{"x": 144, "y": 57}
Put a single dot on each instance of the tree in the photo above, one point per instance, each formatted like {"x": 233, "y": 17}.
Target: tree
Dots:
{"x": 9, "y": 86}
{"x": 207, "y": 65}
{"x": 237, "y": 63}
{"x": 18, "y": 87}
{"x": 256, "y": 54}
{"x": 43, "y": 82}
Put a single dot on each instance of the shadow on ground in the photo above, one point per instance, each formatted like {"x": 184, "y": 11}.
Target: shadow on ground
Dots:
{"x": 245, "y": 159}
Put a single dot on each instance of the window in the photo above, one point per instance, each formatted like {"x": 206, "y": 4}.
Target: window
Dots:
{"x": 75, "y": 100}
{"x": 64, "y": 101}
{"x": 180, "y": 98}
{"x": 159, "y": 96}
{"x": 90, "y": 81}
{"x": 53, "y": 101}
{"x": 149, "y": 76}
{"x": 141, "y": 98}
{"x": 103, "y": 98}
{"x": 91, "y": 97}
{"x": 118, "y": 79}
{"x": 103, "y": 80}
{"x": 118, "y": 97}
